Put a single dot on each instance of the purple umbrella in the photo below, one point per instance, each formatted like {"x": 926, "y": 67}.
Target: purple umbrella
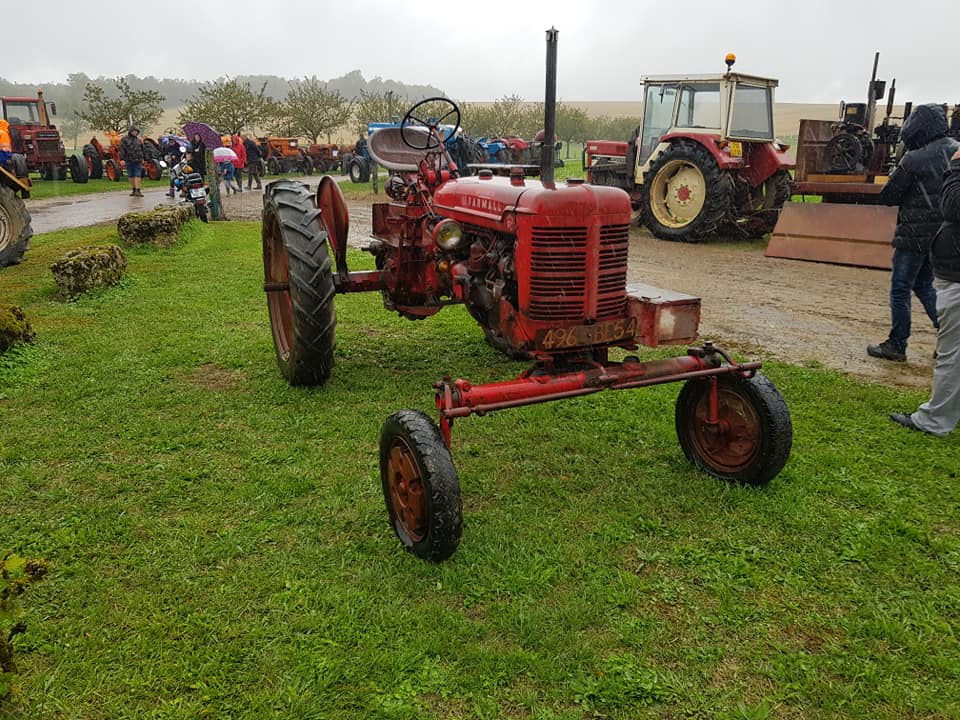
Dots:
{"x": 210, "y": 137}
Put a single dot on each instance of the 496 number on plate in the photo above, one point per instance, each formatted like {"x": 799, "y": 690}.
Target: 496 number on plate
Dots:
{"x": 601, "y": 333}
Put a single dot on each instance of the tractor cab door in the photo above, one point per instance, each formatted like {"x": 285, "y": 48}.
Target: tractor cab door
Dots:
{"x": 749, "y": 115}
{"x": 659, "y": 105}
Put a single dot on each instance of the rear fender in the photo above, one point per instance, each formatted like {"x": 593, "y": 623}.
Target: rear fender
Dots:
{"x": 721, "y": 156}
{"x": 763, "y": 160}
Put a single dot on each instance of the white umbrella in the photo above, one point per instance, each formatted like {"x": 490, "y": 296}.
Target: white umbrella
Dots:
{"x": 224, "y": 154}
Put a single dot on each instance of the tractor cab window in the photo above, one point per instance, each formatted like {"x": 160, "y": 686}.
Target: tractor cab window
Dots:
{"x": 752, "y": 117}
{"x": 699, "y": 106}
{"x": 21, "y": 113}
{"x": 657, "y": 117}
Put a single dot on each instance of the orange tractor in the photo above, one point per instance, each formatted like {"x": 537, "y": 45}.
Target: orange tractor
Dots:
{"x": 284, "y": 155}
{"x": 105, "y": 160}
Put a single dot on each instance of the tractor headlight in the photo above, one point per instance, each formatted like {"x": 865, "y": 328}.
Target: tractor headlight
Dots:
{"x": 448, "y": 234}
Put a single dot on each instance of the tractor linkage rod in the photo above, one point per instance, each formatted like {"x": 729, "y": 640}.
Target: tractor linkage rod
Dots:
{"x": 460, "y": 398}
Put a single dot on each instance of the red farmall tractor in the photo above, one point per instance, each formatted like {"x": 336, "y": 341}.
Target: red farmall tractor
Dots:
{"x": 542, "y": 267}
{"x": 705, "y": 159}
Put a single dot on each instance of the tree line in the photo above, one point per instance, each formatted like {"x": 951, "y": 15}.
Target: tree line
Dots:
{"x": 316, "y": 109}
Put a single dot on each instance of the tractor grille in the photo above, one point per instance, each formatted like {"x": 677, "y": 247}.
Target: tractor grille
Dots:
{"x": 48, "y": 147}
{"x": 560, "y": 264}
{"x": 558, "y": 282}
{"x": 612, "y": 279}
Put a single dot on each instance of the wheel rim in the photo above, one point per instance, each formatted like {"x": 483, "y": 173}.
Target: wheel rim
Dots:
{"x": 731, "y": 444}
{"x": 278, "y": 297}
{"x": 678, "y": 194}
{"x": 407, "y": 496}
{"x": 112, "y": 171}
{"x": 6, "y": 228}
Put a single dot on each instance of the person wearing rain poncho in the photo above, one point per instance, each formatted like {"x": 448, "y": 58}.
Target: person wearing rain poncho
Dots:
{"x": 914, "y": 186}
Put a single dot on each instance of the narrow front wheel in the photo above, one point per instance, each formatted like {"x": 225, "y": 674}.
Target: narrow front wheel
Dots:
{"x": 420, "y": 486}
{"x": 747, "y": 441}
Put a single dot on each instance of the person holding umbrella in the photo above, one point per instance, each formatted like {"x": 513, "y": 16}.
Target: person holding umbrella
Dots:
{"x": 224, "y": 157}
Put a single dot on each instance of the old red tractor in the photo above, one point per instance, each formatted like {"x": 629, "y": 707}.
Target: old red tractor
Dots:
{"x": 542, "y": 267}
{"x": 38, "y": 141}
{"x": 705, "y": 159}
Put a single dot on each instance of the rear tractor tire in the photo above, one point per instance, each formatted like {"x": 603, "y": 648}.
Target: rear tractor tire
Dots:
{"x": 751, "y": 441}
{"x": 18, "y": 163}
{"x": 359, "y": 171}
{"x": 94, "y": 162}
{"x": 78, "y": 169}
{"x": 298, "y": 279}
{"x": 15, "y": 230}
{"x": 685, "y": 194}
{"x": 764, "y": 199}
{"x": 420, "y": 486}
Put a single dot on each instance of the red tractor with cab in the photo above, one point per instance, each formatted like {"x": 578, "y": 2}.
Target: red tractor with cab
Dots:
{"x": 705, "y": 159}
{"x": 38, "y": 140}
{"x": 542, "y": 267}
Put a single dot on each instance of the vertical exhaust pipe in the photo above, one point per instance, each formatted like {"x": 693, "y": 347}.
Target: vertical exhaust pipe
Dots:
{"x": 547, "y": 150}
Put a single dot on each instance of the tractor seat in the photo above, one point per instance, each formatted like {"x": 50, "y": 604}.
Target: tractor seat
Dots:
{"x": 388, "y": 149}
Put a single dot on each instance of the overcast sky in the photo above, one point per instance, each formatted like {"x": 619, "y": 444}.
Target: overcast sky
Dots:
{"x": 820, "y": 51}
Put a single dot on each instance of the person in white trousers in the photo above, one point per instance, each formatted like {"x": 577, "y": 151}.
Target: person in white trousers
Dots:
{"x": 940, "y": 415}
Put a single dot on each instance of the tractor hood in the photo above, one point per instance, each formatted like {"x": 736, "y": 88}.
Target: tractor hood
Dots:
{"x": 486, "y": 201}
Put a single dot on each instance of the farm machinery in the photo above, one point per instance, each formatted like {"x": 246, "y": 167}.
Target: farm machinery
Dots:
{"x": 542, "y": 267}
{"x": 284, "y": 155}
{"x": 705, "y": 159}
{"x": 104, "y": 160}
{"x": 502, "y": 155}
{"x": 38, "y": 141}
{"x": 326, "y": 156}
{"x": 846, "y": 162}
{"x": 15, "y": 229}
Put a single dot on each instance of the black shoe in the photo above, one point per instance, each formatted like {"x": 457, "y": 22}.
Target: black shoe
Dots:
{"x": 133, "y": 193}
{"x": 886, "y": 351}
{"x": 905, "y": 420}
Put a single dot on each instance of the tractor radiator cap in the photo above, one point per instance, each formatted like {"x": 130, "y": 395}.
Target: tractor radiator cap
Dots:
{"x": 575, "y": 181}
{"x": 485, "y": 174}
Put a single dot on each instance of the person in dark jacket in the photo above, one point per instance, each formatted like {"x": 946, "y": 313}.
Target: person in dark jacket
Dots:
{"x": 198, "y": 154}
{"x": 131, "y": 152}
{"x": 941, "y": 413}
{"x": 254, "y": 161}
{"x": 914, "y": 185}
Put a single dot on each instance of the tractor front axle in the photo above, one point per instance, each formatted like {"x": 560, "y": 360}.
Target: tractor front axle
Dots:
{"x": 542, "y": 383}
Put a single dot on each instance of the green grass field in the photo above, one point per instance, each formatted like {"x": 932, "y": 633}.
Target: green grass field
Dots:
{"x": 57, "y": 188}
{"x": 219, "y": 545}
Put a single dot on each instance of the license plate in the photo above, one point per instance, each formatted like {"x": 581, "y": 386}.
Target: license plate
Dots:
{"x": 736, "y": 149}
{"x": 602, "y": 333}
{"x": 197, "y": 192}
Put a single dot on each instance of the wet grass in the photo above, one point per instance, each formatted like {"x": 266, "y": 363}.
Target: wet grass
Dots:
{"x": 219, "y": 546}
{"x": 56, "y": 188}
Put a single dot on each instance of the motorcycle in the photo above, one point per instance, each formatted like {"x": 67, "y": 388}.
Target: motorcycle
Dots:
{"x": 189, "y": 185}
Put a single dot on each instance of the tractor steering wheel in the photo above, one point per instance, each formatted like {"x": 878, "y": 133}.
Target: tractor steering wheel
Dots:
{"x": 430, "y": 142}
